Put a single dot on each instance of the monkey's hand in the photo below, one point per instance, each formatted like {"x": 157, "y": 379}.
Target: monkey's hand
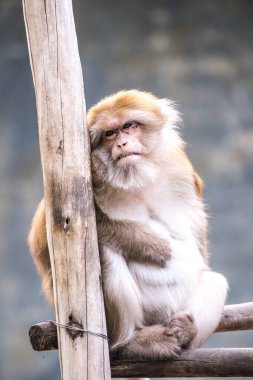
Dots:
{"x": 155, "y": 251}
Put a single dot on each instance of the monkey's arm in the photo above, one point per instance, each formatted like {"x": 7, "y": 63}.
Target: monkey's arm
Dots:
{"x": 135, "y": 241}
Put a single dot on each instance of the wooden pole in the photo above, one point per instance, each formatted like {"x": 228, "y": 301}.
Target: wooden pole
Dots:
{"x": 70, "y": 217}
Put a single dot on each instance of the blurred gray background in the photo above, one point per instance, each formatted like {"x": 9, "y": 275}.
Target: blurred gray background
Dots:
{"x": 200, "y": 54}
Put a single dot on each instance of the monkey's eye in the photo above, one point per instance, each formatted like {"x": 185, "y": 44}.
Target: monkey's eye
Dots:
{"x": 109, "y": 134}
{"x": 127, "y": 125}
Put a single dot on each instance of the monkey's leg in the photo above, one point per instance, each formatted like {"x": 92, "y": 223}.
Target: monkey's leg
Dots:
{"x": 206, "y": 305}
{"x": 152, "y": 342}
{"x": 37, "y": 241}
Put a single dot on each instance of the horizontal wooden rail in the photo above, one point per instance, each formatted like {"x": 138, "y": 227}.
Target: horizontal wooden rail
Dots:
{"x": 215, "y": 362}
{"x": 43, "y": 336}
{"x": 237, "y": 317}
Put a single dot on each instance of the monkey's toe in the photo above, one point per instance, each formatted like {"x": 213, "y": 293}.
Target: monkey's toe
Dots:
{"x": 183, "y": 328}
{"x": 172, "y": 348}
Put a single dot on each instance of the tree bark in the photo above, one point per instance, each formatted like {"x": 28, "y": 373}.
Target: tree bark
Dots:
{"x": 70, "y": 217}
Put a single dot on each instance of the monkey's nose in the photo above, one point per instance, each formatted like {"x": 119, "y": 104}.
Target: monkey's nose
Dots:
{"x": 121, "y": 144}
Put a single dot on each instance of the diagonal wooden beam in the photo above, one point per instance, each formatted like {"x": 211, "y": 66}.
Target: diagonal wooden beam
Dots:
{"x": 70, "y": 216}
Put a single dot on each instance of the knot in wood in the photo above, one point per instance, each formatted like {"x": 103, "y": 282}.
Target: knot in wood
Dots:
{"x": 66, "y": 223}
{"x": 73, "y": 322}
{"x": 60, "y": 147}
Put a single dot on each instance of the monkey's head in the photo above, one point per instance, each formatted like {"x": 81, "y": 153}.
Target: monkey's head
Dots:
{"x": 131, "y": 131}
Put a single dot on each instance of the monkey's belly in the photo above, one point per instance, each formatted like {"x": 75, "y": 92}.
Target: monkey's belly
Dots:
{"x": 168, "y": 290}
{"x": 145, "y": 294}
{"x": 163, "y": 295}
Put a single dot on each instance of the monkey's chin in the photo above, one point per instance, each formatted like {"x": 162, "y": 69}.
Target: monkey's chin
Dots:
{"x": 133, "y": 172}
{"x": 130, "y": 159}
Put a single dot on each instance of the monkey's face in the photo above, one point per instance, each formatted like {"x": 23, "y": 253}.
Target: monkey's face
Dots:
{"x": 124, "y": 143}
{"x": 126, "y": 133}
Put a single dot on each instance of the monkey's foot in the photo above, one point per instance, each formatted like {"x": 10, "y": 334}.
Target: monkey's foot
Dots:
{"x": 152, "y": 342}
{"x": 183, "y": 328}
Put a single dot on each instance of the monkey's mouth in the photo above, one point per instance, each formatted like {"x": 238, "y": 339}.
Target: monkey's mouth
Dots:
{"x": 127, "y": 154}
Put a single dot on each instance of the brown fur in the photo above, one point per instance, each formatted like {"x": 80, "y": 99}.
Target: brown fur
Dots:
{"x": 132, "y": 239}
{"x": 123, "y": 101}
{"x": 159, "y": 341}
{"x": 143, "y": 246}
{"x": 37, "y": 241}
{"x": 152, "y": 342}
{"x": 198, "y": 184}
{"x": 183, "y": 328}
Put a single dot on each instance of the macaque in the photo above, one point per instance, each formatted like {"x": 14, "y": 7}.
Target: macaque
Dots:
{"x": 160, "y": 294}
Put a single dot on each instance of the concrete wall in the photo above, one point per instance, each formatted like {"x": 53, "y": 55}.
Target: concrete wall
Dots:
{"x": 199, "y": 53}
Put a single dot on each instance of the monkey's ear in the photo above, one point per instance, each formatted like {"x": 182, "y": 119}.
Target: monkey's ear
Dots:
{"x": 173, "y": 116}
{"x": 199, "y": 184}
{"x": 95, "y": 137}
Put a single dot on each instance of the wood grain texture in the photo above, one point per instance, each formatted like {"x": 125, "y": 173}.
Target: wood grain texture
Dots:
{"x": 216, "y": 362}
{"x": 237, "y": 317}
{"x": 65, "y": 156}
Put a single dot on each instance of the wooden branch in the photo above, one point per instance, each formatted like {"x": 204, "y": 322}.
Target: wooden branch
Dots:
{"x": 70, "y": 217}
{"x": 237, "y": 317}
{"x": 43, "y": 336}
{"x": 192, "y": 363}
{"x": 217, "y": 362}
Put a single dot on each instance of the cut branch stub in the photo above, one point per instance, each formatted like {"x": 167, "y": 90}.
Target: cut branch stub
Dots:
{"x": 43, "y": 336}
